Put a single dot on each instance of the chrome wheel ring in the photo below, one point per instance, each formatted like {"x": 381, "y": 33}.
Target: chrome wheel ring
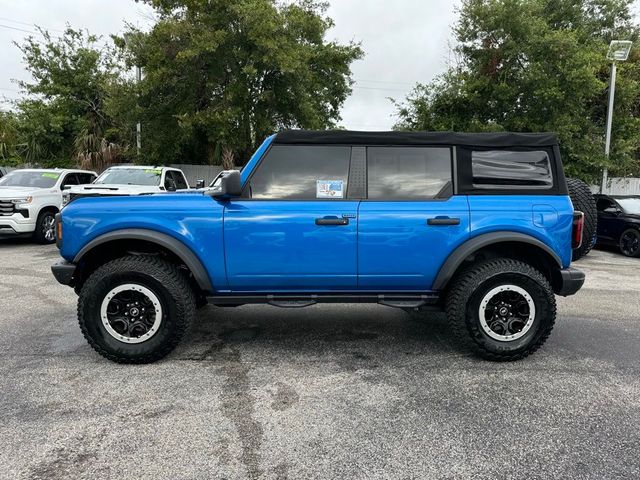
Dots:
{"x": 506, "y": 313}
{"x": 131, "y": 313}
{"x": 49, "y": 227}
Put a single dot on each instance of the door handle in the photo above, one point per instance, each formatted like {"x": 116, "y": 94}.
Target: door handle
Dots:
{"x": 332, "y": 221}
{"x": 443, "y": 221}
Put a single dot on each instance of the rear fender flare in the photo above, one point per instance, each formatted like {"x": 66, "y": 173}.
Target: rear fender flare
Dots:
{"x": 456, "y": 258}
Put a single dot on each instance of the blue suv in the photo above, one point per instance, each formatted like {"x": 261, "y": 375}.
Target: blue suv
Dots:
{"x": 479, "y": 225}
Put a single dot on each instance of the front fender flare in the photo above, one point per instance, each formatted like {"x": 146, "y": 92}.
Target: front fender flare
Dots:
{"x": 456, "y": 258}
{"x": 170, "y": 243}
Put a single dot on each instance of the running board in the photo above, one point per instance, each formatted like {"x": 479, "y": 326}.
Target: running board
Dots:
{"x": 396, "y": 300}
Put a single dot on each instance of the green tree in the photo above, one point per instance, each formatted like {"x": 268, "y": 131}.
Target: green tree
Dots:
{"x": 539, "y": 65}
{"x": 221, "y": 75}
{"x": 62, "y": 117}
{"x": 9, "y": 139}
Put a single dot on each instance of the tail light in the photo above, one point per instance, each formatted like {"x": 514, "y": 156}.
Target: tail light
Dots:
{"x": 578, "y": 227}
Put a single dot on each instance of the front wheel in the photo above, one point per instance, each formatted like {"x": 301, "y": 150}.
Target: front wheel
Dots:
{"x": 45, "y": 231}
{"x": 135, "y": 309}
{"x": 630, "y": 242}
{"x": 501, "y": 309}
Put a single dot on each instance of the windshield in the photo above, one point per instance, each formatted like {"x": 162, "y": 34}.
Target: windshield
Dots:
{"x": 130, "y": 176}
{"x": 21, "y": 178}
{"x": 630, "y": 205}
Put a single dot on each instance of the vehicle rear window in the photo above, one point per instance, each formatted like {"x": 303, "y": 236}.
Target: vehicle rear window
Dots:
{"x": 291, "y": 172}
{"x": 495, "y": 169}
{"x": 405, "y": 173}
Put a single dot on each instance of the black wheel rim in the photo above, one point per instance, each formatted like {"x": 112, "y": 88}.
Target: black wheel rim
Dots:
{"x": 131, "y": 313}
{"x": 630, "y": 243}
{"x": 506, "y": 313}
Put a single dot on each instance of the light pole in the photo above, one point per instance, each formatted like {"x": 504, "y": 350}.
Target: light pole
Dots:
{"x": 138, "y": 128}
{"x": 618, "y": 52}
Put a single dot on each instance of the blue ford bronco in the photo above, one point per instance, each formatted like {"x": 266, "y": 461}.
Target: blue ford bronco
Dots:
{"x": 479, "y": 225}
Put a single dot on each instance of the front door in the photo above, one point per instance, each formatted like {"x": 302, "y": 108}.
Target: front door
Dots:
{"x": 411, "y": 221}
{"x": 294, "y": 227}
{"x": 608, "y": 221}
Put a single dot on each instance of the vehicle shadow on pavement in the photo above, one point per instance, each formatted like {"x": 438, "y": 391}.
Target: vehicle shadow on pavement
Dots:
{"x": 360, "y": 332}
{"x": 11, "y": 241}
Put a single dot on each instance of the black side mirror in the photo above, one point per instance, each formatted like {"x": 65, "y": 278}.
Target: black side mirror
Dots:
{"x": 200, "y": 183}
{"x": 227, "y": 184}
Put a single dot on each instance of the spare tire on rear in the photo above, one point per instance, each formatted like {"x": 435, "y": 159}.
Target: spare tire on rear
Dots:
{"x": 583, "y": 200}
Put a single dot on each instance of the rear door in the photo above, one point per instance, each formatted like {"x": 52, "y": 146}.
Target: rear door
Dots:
{"x": 295, "y": 227}
{"x": 410, "y": 221}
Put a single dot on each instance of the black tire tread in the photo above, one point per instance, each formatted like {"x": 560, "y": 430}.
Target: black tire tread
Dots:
{"x": 173, "y": 279}
{"x": 463, "y": 286}
{"x": 584, "y": 201}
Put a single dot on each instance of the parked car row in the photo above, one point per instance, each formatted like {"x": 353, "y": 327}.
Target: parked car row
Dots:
{"x": 30, "y": 198}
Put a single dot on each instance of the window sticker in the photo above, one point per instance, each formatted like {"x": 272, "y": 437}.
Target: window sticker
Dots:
{"x": 329, "y": 189}
{"x": 50, "y": 175}
{"x": 155, "y": 171}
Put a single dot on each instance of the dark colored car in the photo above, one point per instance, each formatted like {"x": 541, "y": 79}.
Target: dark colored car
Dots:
{"x": 619, "y": 222}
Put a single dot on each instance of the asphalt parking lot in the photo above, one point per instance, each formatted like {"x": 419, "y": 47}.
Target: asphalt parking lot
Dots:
{"x": 325, "y": 392}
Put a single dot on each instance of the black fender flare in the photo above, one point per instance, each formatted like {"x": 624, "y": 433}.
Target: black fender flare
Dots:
{"x": 170, "y": 243}
{"x": 456, "y": 258}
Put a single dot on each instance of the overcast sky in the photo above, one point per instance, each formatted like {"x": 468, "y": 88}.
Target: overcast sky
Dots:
{"x": 405, "y": 41}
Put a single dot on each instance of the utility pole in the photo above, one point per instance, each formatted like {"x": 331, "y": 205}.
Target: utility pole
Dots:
{"x": 138, "y": 127}
{"x": 618, "y": 51}
{"x": 607, "y": 138}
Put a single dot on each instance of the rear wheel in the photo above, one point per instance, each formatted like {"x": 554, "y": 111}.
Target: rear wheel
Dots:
{"x": 135, "y": 309}
{"x": 630, "y": 243}
{"x": 45, "y": 231}
{"x": 501, "y": 309}
{"x": 583, "y": 201}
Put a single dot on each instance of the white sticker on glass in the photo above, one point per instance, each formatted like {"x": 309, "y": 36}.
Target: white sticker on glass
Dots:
{"x": 329, "y": 189}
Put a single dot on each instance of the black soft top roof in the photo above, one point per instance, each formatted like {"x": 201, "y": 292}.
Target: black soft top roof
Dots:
{"x": 342, "y": 137}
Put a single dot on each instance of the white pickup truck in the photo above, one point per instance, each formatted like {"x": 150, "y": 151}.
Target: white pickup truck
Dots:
{"x": 130, "y": 180}
{"x": 30, "y": 198}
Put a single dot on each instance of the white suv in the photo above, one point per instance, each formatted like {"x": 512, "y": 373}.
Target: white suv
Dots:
{"x": 130, "y": 180}
{"x": 30, "y": 198}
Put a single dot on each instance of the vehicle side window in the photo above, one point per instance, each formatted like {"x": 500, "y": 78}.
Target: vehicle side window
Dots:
{"x": 69, "y": 179}
{"x": 604, "y": 203}
{"x": 291, "y": 172}
{"x": 179, "y": 179}
{"x": 407, "y": 173}
{"x": 495, "y": 169}
{"x": 169, "y": 180}
{"x": 84, "y": 178}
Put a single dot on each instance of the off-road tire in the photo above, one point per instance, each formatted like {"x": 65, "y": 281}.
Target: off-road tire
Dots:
{"x": 165, "y": 280}
{"x": 583, "y": 200}
{"x": 464, "y": 297}
{"x": 38, "y": 233}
